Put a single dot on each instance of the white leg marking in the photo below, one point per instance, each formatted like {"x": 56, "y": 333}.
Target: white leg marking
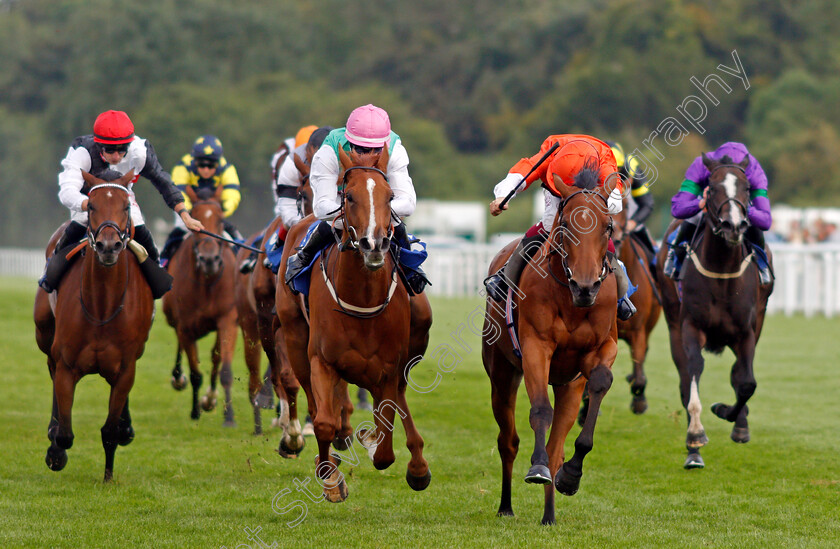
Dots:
{"x": 694, "y": 409}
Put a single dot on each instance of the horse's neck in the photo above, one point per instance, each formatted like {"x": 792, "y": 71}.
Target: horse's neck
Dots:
{"x": 716, "y": 254}
{"x": 354, "y": 282}
{"x": 103, "y": 287}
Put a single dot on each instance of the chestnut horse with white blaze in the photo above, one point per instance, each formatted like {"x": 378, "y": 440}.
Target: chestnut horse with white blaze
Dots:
{"x": 364, "y": 329}
{"x": 97, "y": 322}
{"x": 565, "y": 314}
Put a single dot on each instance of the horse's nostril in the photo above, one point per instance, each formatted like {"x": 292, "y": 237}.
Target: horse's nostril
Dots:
{"x": 365, "y": 244}
{"x": 386, "y": 243}
{"x": 118, "y": 246}
{"x": 99, "y": 246}
{"x": 743, "y": 226}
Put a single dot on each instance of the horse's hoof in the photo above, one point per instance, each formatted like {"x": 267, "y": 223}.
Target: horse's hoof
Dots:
{"x": 308, "y": 429}
{"x": 207, "y": 403}
{"x": 538, "y": 474}
{"x": 125, "y": 435}
{"x": 56, "y": 458}
{"x": 740, "y": 435}
{"x": 639, "y": 405}
{"x": 567, "y": 481}
{"x": 179, "y": 383}
{"x": 195, "y": 414}
{"x": 342, "y": 444}
{"x": 548, "y": 521}
{"x": 264, "y": 401}
{"x": 288, "y": 451}
{"x": 229, "y": 423}
{"x": 696, "y": 440}
{"x": 333, "y": 493}
{"x": 693, "y": 461}
{"x": 109, "y": 475}
{"x": 722, "y": 411}
{"x": 508, "y": 512}
{"x": 418, "y": 484}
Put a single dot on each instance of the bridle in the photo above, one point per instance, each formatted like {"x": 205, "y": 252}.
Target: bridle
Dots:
{"x": 352, "y": 242}
{"x": 199, "y": 240}
{"x": 714, "y": 215}
{"x": 563, "y": 228}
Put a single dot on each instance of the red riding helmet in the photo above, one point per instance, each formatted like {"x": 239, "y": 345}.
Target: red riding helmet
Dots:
{"x": 113, "y": 128}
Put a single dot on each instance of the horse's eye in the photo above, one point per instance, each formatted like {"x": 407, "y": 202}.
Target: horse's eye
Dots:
{"x": 349, "y": 198}
{"x": 90, "y": 208}
{"x": 391, "y": 198}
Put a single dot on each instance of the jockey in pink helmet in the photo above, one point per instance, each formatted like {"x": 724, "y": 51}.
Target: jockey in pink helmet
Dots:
{"x": 368, "y": 130}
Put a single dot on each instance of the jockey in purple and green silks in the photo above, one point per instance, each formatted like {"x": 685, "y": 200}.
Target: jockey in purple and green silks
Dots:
{"x": 686, "y": 205}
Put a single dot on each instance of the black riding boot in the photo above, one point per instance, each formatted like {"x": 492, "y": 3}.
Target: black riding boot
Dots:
{"x": 497, "y": 284}
{"x": 57, "y": 264}
{"x": 755, "y": 237}
{"x": 159, "y": 280}
{"x": 318, "y": 240}
{"x": 416, "y": 278}
{"x": 677, "y": 251}
{"x": 173, "y": 241}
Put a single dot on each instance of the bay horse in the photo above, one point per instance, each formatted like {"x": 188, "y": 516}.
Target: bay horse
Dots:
{"x": 365, "y": 329}
{"x": 720, "y": 303}
{"x": 97, "y": 322}
{"x": 201, "y": 301}
{"x": 255, "y": 295}
{"x": 565, "y": 315}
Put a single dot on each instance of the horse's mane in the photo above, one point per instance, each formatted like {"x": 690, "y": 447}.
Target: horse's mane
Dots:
{"x": 587, "y": 177}
{"x": 205, "y": 193}
{"x": 727, "y": 160}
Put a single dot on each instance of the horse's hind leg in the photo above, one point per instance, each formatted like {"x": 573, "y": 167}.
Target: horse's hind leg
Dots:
{"x": 126, "y": 431}
{"x": 638, "y": 381}
{"x": 535, "y": 359}
{"x": 504, "y": 382}
{"x": 117, "y": 408}
{"x": 287, "y": 387}
{"x": 225, "y": 347}
{"x": 253, "y": 351}
{"x": 566, "y": 403}
{"x": 191, "y": 351}
{"x": 179, "y": 381}
{"x": 743, "y": 381}
{"x": 344, "y": 437}
{"x": 568, "y": 477}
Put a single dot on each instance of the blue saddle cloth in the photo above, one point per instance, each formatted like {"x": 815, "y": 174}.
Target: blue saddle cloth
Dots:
{"x": 273, "y": 250}
{"x": 410, "y": 258}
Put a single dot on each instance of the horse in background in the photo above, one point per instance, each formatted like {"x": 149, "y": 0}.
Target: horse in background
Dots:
{"x": 97, "y": 322}
{"x": 719, "y": 303}
{"x": 255, "y": 295}
{"x": 201, "y": 301}
{"x": 567, "y": 329}
{"x": 358, "y": 326}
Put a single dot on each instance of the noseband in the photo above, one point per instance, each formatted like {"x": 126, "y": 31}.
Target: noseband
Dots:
{"x": 715, "y": 217}
{"x": 124, "y": 234}
{"x": 606, "y": 269}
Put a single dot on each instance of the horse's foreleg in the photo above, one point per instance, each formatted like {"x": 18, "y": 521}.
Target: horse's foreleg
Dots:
{"x": 567, "y": 480}
{"x": 117, "y": 408}
{"x": 566, "y": 403}
{"x": 344, "y": 436}
{"x": 692, "y": 343}
{"x": 744, "y": 384}
{"x": 417, "y": 474}
{"x": 638, "y": 381}
{"x": 226, "y": 343}
{"x": 191, "y": 351}
{"x": 326, "y": 422}
{"x": 253, "y": 351}
{"x": 179, "y": 381}
{"x": 384, "y": 410}
{"x": 61, "y": 435}
{"x": 286, "y": 386}
{"x": 535, "y": 364}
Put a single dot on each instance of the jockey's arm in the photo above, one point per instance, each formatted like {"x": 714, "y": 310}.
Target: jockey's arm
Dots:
{"x": 686, "y": 203}
{"x": 759, "y": 209}
{"x": 285, "y": 193}
{"x": 181, "y": 179}
{"x": 70, "y": 179}
{"x": 405, "y": 197}
{"x": 154, "y": 172}
{"x": 323, "y": 178}
{"x": 230, "y": 191}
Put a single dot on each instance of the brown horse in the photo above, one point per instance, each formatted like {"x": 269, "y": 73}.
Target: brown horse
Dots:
{"x": 364, "y": 329}
{"x": 565, "y": 314}
{"x": 201, "y": 301}
{"x": 720, "y": 303}
{"x": 255, "y": 295}
{"x": 636, "y": 331}
{"x": 97, "y": 322}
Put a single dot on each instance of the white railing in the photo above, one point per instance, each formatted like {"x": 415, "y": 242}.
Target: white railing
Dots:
{"x": 807, "y": 276}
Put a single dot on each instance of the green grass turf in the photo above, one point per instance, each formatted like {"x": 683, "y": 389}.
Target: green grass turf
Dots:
{"x": 183, "y": 483}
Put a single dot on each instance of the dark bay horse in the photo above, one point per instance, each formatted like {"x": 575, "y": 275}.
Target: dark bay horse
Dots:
{"x": 255, "y": 295}
{"x": 364, "y": 329}
{"x": 720, "y": 303}
{"x": 201, "y": 301}
{"x": 565, "y": 315}
{"x": 97, "y": 322}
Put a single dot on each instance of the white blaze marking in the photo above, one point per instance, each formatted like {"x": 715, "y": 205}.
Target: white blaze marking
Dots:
{"x": 694, "y": 409}
{"x": 372, "y": 223}
{"x": 109, "y": 195}
{"x": 729, "y": 183}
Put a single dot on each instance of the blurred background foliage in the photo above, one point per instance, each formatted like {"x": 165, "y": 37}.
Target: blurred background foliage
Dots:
{"x": 470, "y": 88}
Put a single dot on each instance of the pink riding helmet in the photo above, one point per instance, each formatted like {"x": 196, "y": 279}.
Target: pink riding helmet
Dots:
{"x": 368, "y": 126}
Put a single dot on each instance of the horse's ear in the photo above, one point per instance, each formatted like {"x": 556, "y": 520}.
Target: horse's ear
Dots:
{"x": 90, "y": 181}
{"x": 301, "y": 166}
{"x": 217, "y": 196}
{"x": 190, "y": 192}
{"x": 708, "y": 162}
{"x": 745, "y": 162}
{"x": 346, "y": 162}
{"x": 126, "y": 180}
{"x": 564, "y": 190}
{"x": 384, "y": 157}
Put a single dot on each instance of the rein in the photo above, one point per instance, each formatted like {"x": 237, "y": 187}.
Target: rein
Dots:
{"x": 715, "y": 216}
{"x": 352, "y": 310}
{"x": 605, "y": 271}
